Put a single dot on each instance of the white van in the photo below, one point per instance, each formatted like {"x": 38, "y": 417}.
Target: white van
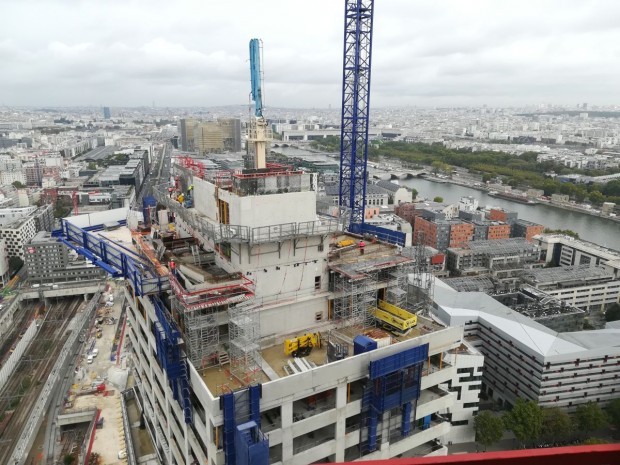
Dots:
{"x": 89, "y": 359}
{"x": 95, "y": 352}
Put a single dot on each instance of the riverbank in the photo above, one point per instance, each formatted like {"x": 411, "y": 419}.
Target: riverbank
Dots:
{"x": 561, "y": 206}
{"x": 593, "y": 228}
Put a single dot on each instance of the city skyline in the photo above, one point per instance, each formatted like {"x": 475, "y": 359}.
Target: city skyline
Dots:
{"x": 186, "y": 54}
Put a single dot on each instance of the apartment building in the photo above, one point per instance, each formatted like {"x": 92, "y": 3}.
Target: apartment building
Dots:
{"x": 499, "y": 214}
{"x": 567, "y": 251}
{"x": 50, "y": 261}
{"x": 485, "y": 257}
{"x": 4, "y": 263}
{"x": 526, "y": 360}
{"x": 526, "y": 229}
{"x": 17, "y": 234}
{"x": 583, "y": 286}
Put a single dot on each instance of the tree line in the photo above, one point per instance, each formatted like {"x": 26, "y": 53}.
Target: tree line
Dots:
{"x": 532, "y": 424}
{"x": 516, "y": 170}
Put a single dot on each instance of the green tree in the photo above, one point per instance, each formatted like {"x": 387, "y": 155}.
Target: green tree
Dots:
{"x": 92, "y": 165}
{"x": 596, "y": 197}
{"x": 613, "y": 313}
{"x": 489, "y": 428}
{"x": 581, "y": 193}
{"x": 436, "y": 167}
{"x": 18, "y": 185}
{"x": 589, "y": 417}
{"x": 486, "y": 177}
{"x": 557, "y": 424}
{"x": 613, "y": 412}
{"x": 68, "y": 459}
{"x": 525, "y": 420}
{"x": 414, "y": 193}
{"x": 566, "y": 232}
{"x": 438, "y": 199}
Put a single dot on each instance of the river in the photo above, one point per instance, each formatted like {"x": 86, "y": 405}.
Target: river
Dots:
{"x": 590, "y": 228}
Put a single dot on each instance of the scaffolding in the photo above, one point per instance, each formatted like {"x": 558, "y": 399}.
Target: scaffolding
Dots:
{"x": 200, "y": 333}
{"x": 353, "y": 299}
{"x": 244, "y": 347}
{"x": 397, "y": 293}
{"x": 420, "y": 293}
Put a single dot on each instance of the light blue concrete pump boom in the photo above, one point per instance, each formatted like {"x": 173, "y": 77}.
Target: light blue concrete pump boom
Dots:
{"x": 256, "y": 76}
{"x": 258, "y": 131}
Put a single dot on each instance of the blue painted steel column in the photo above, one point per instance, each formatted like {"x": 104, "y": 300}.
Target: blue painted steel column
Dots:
{"x": 406, "y": 419}
{"x": 230, "y": 424}
{"x": 355, "y": 108}
{"x": 372, "y": 430}
{"x": 255, "y": 393}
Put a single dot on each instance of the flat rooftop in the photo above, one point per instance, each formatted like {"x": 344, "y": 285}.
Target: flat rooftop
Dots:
{"x": 564, "y": 274}
{"x": 274, "y": 362}
{"x": 351, "y": 262}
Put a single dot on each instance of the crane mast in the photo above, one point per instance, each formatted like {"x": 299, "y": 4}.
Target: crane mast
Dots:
{"x": 258, "y": 133}
{"x": 355, "y": 110}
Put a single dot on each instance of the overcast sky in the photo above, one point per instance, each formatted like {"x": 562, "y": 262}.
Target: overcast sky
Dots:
{"x": 195, "y": 53}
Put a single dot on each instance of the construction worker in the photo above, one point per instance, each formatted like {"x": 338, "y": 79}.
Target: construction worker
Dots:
{"x": 181, "y": 198}
{"x": 361, "y": 246}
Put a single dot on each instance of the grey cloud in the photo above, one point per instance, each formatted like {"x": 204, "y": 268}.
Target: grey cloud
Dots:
{"x": 193, "y": 52}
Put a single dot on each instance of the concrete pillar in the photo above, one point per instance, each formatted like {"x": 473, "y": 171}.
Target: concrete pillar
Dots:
{"x": 287, "y": 432}
{"x": 385, "y": 435}
{"x": 87, "y": 297}
{"x": 341, "y": 420}
{"x": 47, "y": 302}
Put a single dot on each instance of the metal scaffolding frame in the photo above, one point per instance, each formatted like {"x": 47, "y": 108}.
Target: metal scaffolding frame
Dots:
{"x": 353, "y": 300}
{"x": 397, "y": 293}
{"x": 215, "y": 232}
{"x": 200, "y": 333}
{"x": 421, "y": 291}
{"x": 244, "y": 346}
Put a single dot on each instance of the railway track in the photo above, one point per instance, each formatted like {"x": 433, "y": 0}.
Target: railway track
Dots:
{"x": 20, "y": 324}
{"x": 23, "y": 388}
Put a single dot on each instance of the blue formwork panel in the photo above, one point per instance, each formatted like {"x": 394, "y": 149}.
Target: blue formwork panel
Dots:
{"x": 148, "y": 203}
{"x": 362, "y": 344}
{"x": 398, "y": 361}
{"x": 251, "y": 446}
{"x": 383, "y": 234}
{"x": 228, "y": 406}
{"x": 255, "y": 393}
{"x": 406, "y": 419}
{"x": 373, "y": 421}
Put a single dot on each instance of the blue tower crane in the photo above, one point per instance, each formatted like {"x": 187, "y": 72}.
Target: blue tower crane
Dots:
{"x": 358, "y": 16}
{"x": 355, "y": 109}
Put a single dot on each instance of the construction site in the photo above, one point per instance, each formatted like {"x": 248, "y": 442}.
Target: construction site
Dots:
{"x": 236, "y": 320}
{"x": 263, "y": 331}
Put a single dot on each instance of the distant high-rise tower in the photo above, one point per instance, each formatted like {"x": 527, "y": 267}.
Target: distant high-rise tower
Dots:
{"x": 585, "y": 106}
{"x": 186, "y": 133}
{"x": 106, "y": 113}
{"x": 231, "y": 133}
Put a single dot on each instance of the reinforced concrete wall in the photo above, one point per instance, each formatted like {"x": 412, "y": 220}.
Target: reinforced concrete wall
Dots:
{"x": 20, "y": 348}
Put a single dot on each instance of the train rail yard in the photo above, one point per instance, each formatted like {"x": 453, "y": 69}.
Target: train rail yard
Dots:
{"x": 18, "y": 396}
